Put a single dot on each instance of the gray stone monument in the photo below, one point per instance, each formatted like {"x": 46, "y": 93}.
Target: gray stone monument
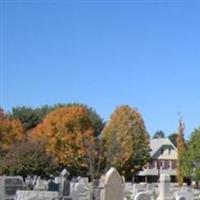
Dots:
{"x": 64, "y": 185}
{"x": 112, "y": 186}
{"x": 9, "y": 185}
{"x": 164, "y": 188}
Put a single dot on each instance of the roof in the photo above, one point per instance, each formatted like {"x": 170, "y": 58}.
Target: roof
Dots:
{"x": 156, "y": 143}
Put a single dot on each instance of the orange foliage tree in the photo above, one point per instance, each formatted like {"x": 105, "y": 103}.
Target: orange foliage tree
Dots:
{"x": 10, "y": 132}
{"x": 68, "y": 131}
{"x": 126, "y": 141}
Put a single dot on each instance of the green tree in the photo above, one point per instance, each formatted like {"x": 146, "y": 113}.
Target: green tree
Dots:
{"x": 192, "y": 156}
{"x": 126, "y": 141}
{"x": 181, "y": 148}
{"x": 28, "y": 157}
{"x": 159, "y": 134}
{"x": 29, "y": 117}
{"x": 173, "y": 138}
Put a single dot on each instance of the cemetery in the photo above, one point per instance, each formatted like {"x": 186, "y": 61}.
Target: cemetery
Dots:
{"x": 79, "y": 161}
{"x": 111, "y": 187}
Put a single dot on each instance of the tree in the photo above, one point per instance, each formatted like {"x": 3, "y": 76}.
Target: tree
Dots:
{"x": 10, "y": 132}
{"x": 28, "y": 157}
{"x": 181, "y": 148}
{"x": 192, "y": 156}
{"x": 159, "y": 134}
{"x": 31, "y": 117}
{"x": 173, "y": 138}
{"x": 126, "y": 141}
{"x": 28, "y": 116}
{"x": 67, "y": 131}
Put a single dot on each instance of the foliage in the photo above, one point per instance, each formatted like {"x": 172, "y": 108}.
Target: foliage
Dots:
{"x": 67, "y": 131}
{"x": 28, "y": 157}
{"x": 10, "y": 132}
{"x": 126, "y": 141}
{"x": 173, "y": 138}
{"x": 159, "y": 134}
{"x": 181, "y": 147}
{"x": 29, "y": 117}
{"x": 192, "y": 156}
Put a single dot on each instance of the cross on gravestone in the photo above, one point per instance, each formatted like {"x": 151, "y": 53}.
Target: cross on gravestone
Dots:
{"x": 112, "y": 186}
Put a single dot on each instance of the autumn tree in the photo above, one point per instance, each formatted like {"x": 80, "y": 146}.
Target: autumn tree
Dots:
{"x": 10, "y": 132}
{"x": 181, "y": 147}
{"x": 68, "y": 131}
{"x": 28, "y": 157}
{"x": 126, "y": 141}
{"x": 31, "y": 117}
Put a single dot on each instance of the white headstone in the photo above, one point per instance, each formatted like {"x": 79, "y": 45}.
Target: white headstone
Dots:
{"x": 39, "y": 195}
{"x": 164, "y": 188}
{"x": 112, "y": 186}
{"x": 83, "y": 192}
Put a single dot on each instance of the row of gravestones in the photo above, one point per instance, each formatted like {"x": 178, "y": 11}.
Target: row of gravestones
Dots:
{"x": 111, "y": 187}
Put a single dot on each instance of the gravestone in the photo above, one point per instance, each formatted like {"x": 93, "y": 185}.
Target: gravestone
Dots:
{"x": 164, "y": 188}
{"x": 66, "y": 188}
{"x": 64, "y": 185}
{"x": 112, "y": 186}
{"x": 9, "y": 185}
{"x": 36, "y": 195}
{"x": 142, "y": 196}
{"x": 54, "y": 187}
{"x": 83, "y": 192}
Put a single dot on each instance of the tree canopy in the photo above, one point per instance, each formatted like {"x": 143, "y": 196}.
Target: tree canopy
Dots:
{"x": 192, "y": 156}
{"x": 126, "y": 141}
{"x": 31, "y": 117}
{"x": 181, "y": 147}
{"x": 67, "y": 130}
{"x": 11, "y": 130}
{"x": 28, "y": 157}
{"x": 159, "y": 134}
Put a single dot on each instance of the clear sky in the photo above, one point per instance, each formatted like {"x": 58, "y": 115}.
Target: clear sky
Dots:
{"x": 104, "y": 53}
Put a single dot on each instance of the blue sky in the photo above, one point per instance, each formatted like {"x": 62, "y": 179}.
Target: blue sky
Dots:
{"x": 104, "y": 53}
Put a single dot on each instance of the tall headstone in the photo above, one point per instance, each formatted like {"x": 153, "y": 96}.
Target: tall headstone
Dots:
{"x": 112, "y": 186}
{"x": 64, "y": 185}
{"x": 164, "y": 188}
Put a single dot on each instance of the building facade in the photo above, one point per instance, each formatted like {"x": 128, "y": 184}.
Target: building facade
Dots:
{"x": 163, "y": 160}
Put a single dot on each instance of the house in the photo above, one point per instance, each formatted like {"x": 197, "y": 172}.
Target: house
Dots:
{"x": 163, "y": 160}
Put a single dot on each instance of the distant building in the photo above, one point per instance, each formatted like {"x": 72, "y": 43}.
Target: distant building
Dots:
{"x": 163, "y": 160}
